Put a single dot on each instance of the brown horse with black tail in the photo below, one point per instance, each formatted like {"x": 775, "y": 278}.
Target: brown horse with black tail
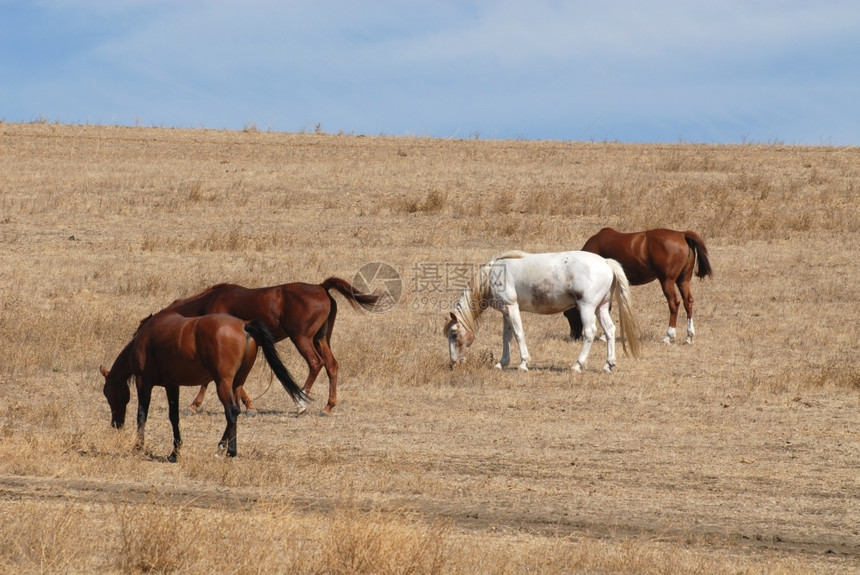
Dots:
{"x": 170, "y": 350}
{"x": 302, "y": 312}
{"x": 666, "y": 255}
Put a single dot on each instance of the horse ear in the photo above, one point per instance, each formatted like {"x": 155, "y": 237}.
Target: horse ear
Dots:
{"x": 453, "y": 317}
{"x": 103, "y": 370}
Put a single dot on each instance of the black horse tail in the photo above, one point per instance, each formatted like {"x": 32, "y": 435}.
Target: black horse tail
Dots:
{"x": 264, "y": 339}
{"x": 697, "y": 244}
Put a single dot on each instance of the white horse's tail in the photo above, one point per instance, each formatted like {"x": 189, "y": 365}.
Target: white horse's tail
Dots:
{"x": 626, "y": 319}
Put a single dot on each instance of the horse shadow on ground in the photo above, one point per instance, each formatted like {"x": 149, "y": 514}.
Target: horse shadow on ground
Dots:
{"x": 251, "y": 414}
{"x": 540, "y": 367}
{"x": 150, "y": 456}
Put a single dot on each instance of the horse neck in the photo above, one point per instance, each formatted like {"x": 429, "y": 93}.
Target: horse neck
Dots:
{"x": 192, "y": 306}
{"x": 121, "y": 369}
{"x": 472, "y": 302}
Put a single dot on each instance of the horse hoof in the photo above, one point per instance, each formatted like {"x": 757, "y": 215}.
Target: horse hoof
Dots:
{"x": 576, "y": 367}
{"x": 608, "y": 368}
{"x": 250, "y": 413}
{"x": 668, "y": 340}
{"x": 172, "y": 458}
{"x": 498, "y": 366}
{"x": 189, "y": 411}
{"x": 523, "y": 368}
{"x": 301, "y": 410}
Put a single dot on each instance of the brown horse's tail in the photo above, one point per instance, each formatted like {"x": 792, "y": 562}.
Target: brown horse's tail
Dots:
{"x": 697, "y": 244}
{"x": 264, "y": 339}
{"x": 626, "y": 319}
{"x": 368, "y": 301}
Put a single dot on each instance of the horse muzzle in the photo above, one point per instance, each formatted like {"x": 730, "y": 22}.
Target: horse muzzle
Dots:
{"x": 117, "y": 420}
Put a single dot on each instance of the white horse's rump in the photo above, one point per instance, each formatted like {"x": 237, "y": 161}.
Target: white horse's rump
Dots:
{"x": 545, "y": 284}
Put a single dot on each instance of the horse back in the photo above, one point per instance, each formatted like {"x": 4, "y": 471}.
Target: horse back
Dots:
{"x": 216, "y": 299}
{"x": 676, "y": 252}
{"x": 305, "y": 307}
{"x": 221, "y": 342}
{"x": 264, "y": 304}
{"x": 285, "y": 309}
{"x": 548, "y": 283}
{"x": 177, "y": 350}
{"x": 631, "y": 250}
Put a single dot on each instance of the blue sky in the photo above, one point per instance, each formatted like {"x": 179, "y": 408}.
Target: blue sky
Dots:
{"x": 731, "y": 71}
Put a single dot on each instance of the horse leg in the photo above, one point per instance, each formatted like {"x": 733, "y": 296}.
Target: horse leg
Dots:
{"x": 322, "y": 344}
{"x": 605, "y": 319}
{"x": 194, "y": 406}
{"x": 239, "y": 380}
{"x": 589, "y": 330}
{"x": 674, "y": 302}
{"x": 516, "y": 322}
{"x": 173, "y": 415}
{"x": 231, "y": 414}
{"x": 305, "y": 346}
{"x": 323, "y": 348}
{"x": 574, "y": 322}
{"x": 507, "y": 333}
{"x": 687, "y": 298}
{"x": 228, "y": 440}
{"x": 250, "y": 410}
{"x": 144, "y": 395}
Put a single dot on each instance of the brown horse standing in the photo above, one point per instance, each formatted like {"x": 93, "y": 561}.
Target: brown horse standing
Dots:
{"x": 303, "y": 312}
{"x": 666, "y": 255}
{"x": 171, "y": 350}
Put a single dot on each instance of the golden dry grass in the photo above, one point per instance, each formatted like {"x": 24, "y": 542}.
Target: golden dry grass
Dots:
{"x": 738, "y": 454}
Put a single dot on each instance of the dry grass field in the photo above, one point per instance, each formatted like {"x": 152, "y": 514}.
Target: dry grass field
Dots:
{"x": 737, "y": 454}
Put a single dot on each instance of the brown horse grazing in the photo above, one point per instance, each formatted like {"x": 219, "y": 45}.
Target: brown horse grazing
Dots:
{"x": 303, "y": 312}
{"x": 665, "y": 255}
{"x": 171, "y": 350}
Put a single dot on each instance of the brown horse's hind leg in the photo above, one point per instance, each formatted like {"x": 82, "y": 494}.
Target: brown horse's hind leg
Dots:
{"x": 228, "y": 440}
{"x": 322, "y": 343}
{"x": 250, "y": 410}
{"x": 231, "y": 414}
{"x": 307, "y": 349}
{"x": 674, "y": 302}
{"x": 331, "y": 368}
{"x": 194, "y": 406}
{"x": 687, "y": 298}
{"x": 683, "y": 282}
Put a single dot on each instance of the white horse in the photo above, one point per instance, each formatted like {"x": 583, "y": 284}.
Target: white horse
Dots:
{"x": 545, "y": 284}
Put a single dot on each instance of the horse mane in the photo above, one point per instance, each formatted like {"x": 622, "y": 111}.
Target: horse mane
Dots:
{"x": 140, "y": 325}
{"x": 473, "y": 301}
{"x": 469, "y": 305}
